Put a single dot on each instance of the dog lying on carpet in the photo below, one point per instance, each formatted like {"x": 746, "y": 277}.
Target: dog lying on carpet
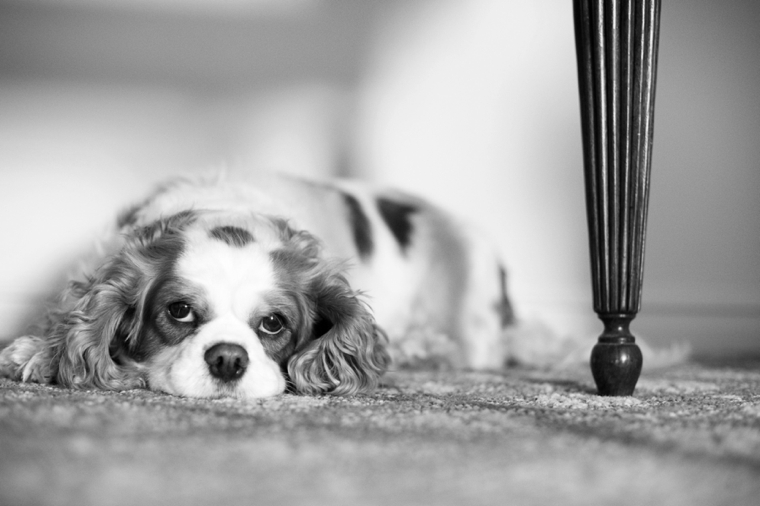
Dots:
{"x": 248, "y": 286}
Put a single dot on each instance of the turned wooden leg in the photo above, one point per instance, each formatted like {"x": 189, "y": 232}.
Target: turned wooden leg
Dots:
{"x": 616, "y": 45}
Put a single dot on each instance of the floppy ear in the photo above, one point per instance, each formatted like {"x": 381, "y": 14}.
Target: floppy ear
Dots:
{"x": 98, "y": 319}
{"x": 106, "y": 316}
{"x": 348, "y": 358}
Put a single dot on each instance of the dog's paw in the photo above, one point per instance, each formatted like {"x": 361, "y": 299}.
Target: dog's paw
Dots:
{"x": 26, "y": 359}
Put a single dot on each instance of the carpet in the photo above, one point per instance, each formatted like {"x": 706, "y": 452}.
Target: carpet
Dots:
{"x": 690, "y": 435}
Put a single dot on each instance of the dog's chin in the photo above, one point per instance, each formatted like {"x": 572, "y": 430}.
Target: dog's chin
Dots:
{"x": 206, "y": 387}
{"x": 220, "y": 390}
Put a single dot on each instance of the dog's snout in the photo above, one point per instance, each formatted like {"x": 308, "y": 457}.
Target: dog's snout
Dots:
{"x": 226, "y": 361}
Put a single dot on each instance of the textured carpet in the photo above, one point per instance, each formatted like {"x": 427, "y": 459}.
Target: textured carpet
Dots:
{"x": 690, "y": 435}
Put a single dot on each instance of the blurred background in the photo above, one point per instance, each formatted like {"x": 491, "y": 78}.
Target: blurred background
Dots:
{"x": 473, "y": 103}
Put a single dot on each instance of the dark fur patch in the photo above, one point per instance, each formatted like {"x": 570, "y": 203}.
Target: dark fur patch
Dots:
{"x": 397, "y": 215}
{"x": 161, "y": 328}
{"x": 290, "y": 305}
{"x": 360, "y": 226}
{"x": 504, "y": 308}
{"x": 232, "y": 236}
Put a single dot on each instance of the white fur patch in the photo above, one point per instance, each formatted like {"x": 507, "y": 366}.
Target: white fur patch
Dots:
{"x": 26, "y": 359}
{"x": 234, "y": 279}
{"x": 481, "y": 320}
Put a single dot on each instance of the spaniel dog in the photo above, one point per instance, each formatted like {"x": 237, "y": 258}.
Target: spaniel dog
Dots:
{"x": 250, "y": 286}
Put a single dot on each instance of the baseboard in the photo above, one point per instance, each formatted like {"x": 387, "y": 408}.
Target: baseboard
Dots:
{"x": 710, "y": 329}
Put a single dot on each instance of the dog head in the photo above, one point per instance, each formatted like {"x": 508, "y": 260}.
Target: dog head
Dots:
{"x": 211, "y": 304}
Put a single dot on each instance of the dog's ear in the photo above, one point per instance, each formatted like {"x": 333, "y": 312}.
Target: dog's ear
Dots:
{"x": 346, "y": 352}
{"x": 103, "y": 317}
{"x": 97, "y": 319}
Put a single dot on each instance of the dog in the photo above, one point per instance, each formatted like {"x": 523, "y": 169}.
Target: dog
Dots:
{"x": 251, "y": 285}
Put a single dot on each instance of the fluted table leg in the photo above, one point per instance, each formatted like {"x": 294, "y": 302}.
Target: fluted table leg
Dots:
{"x": 616, "y": 44}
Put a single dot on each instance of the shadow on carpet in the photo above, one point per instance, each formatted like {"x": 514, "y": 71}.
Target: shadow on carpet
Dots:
{"x": 690, "y": 435}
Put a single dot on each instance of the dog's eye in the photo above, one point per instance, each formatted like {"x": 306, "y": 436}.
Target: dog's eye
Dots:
{"x": 272, "y": 324}
{"x": 182, "y": 312}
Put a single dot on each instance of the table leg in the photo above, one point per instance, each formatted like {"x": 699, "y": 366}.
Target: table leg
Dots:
{"x": 616, "y": 45}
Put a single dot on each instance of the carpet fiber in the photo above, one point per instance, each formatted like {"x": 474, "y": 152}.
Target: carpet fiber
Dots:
{"x": 690, "y": 435}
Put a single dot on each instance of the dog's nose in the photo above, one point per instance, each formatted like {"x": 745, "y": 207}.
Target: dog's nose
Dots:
{"x": 226, "y": 361}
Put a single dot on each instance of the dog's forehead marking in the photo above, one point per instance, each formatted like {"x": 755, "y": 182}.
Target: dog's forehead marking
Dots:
{"x": 233, "y": 277}
{"x": 232, "y": 235}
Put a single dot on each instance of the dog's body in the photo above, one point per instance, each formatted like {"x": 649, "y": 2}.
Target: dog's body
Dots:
{"x": 239, "y": 285}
